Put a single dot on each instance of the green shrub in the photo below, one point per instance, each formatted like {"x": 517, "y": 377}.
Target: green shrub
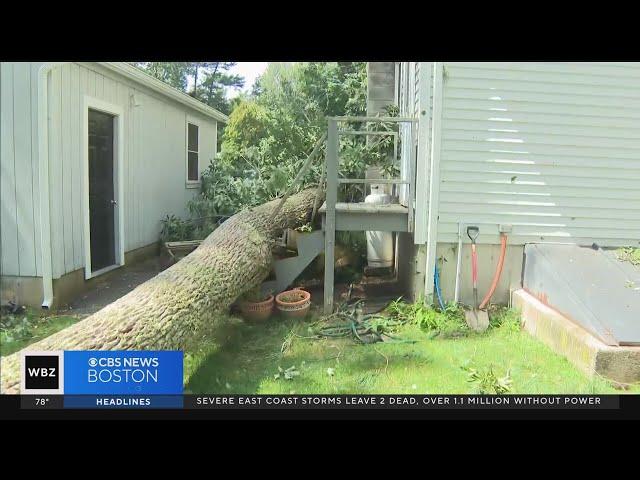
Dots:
{"x": 427, "y": 318}
{"x": 485, "y": 381}
{"x": 175, "y": 229}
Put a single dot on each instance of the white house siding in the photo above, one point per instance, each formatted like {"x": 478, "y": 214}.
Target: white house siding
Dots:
{"x": 20, "y": 212}
{"x": 409, "y": 104}
{"x": 553, "y": 149}
{"x": 154, "y": 162}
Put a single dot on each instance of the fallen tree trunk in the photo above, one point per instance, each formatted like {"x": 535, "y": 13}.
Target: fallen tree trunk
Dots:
{"x": 174, "y": 310}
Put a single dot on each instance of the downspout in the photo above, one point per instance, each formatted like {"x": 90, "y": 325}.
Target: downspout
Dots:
{"x": 434, "y": 182}
{"x": 43, "y": 174}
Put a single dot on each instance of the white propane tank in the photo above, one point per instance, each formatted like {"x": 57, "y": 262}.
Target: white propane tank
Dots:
{"x": 379, "y": 244}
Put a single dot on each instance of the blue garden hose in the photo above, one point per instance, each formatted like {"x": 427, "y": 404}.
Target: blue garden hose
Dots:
{"x": 436, "y": 281}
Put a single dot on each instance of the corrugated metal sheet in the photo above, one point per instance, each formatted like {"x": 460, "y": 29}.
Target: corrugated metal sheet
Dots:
{"x": 553, "y": 149}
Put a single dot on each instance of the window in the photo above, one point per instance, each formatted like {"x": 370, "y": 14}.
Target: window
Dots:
{"x": 193, "y": 170}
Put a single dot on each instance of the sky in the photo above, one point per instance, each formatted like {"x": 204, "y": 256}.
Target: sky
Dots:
{"x": 250, "y": 71}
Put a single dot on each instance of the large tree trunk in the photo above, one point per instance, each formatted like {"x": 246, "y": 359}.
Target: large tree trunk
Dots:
{"x": 174, "y": 310}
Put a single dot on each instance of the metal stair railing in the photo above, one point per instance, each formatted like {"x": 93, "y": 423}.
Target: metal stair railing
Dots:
{"x": 332, "y": 180}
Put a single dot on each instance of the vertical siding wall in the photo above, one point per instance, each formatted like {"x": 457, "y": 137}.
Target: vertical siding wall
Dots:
{"x": 154, "y": 162}
{"x": 20, "y": 212}
{"x": 553, "y": 149}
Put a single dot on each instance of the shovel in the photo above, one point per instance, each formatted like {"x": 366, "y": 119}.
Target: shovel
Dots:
{"x": 477, "y": 320}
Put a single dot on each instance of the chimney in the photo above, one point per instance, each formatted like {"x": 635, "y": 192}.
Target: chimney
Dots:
{"x": 381, "y": 89}
{"x": 381, "y": 84}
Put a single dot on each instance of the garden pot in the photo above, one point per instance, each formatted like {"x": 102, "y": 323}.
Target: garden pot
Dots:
{"x": 294, "y": 303}
{"x": 257, "y": 311}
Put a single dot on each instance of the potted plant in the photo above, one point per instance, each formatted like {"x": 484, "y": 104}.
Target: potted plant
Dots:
{"x": 294, "y": 303}
{"x": 256, "y": 306}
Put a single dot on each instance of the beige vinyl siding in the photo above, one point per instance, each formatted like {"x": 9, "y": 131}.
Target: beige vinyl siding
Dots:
{"x": 553, "y": 149}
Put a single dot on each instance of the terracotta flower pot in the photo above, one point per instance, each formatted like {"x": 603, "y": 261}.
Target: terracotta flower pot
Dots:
{"x": 257, "y": 311}
{"x": 294, "y": 303}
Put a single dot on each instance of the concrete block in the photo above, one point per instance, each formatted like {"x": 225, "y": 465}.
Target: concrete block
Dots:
{"x": 380, "y": 67}
{"x": 620, "y": 364}
{"x": 21, "y": 290}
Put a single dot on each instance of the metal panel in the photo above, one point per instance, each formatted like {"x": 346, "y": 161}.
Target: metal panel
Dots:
{"x": 552, "y": 148}
{"x": 588, "y": 287}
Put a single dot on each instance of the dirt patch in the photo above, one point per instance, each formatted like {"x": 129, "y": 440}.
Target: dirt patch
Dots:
{"x": 112, "y": 288}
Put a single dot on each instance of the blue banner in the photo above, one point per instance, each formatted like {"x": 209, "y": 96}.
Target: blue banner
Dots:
{"x": 123, "y": 401}
{"x": 123, "y": 372}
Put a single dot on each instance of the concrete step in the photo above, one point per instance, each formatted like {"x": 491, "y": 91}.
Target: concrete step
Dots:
{"x": 580, "y": 347}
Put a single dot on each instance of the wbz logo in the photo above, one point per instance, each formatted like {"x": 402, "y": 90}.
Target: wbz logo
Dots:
{"x": 42, "y": 372}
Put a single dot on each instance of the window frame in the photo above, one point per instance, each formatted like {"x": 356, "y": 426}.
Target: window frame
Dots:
{"x": 189, "y": 182}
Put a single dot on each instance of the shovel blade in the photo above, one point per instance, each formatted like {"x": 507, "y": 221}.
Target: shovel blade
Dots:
{"x": 477, "y": 320}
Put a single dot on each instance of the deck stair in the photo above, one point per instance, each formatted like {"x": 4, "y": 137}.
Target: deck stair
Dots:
{"x": 309, "y": 245}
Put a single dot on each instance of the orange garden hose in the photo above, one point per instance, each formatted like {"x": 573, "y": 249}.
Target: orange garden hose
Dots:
{"x": 496, "y": 276}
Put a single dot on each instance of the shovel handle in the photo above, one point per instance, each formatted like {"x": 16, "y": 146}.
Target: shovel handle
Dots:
{"x": 474, "y": 265}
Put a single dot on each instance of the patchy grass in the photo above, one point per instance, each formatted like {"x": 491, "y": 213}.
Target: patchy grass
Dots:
{"x": 256, "y": 359}
{"x": 442, "y": 356}
{"x": 22, "y": 329}
{"x": 629, "y": 254}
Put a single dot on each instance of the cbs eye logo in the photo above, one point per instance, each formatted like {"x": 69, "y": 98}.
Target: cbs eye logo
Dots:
{"x": 42, "y": 373}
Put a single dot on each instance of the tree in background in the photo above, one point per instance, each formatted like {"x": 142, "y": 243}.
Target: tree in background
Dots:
{"x": 204, "y": 81}
{"x": 272, "y": 130}
{"x": 172, "y": 73}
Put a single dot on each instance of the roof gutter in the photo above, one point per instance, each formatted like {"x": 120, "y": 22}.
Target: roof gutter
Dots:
{"x": 43, "y": 174}
{"x": 137, "y": 75}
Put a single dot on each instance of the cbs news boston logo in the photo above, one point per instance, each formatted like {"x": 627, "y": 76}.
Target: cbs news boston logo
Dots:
{"x": 102, "y": 372}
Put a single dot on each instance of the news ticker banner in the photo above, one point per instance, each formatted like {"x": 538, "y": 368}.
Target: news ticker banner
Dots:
{"x": 323, "y": 402}
{"x": 154, "y": 379}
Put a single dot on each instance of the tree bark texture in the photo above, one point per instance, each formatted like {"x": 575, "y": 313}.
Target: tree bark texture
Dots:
{"x": 173, "y": 310}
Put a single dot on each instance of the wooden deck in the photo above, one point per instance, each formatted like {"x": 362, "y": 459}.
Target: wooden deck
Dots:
{"x": 365, "y": 216}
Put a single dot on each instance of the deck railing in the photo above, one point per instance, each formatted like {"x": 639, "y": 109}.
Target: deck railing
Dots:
{"x": 333, "y": 180}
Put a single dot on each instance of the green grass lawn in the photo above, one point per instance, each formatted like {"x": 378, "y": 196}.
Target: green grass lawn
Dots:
{"x": 20, "y": 330}
{"x": 254, "y": 356}
{"x": 253, "y": 359}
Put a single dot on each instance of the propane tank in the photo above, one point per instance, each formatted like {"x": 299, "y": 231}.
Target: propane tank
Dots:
{"x": 379, "y": 244}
